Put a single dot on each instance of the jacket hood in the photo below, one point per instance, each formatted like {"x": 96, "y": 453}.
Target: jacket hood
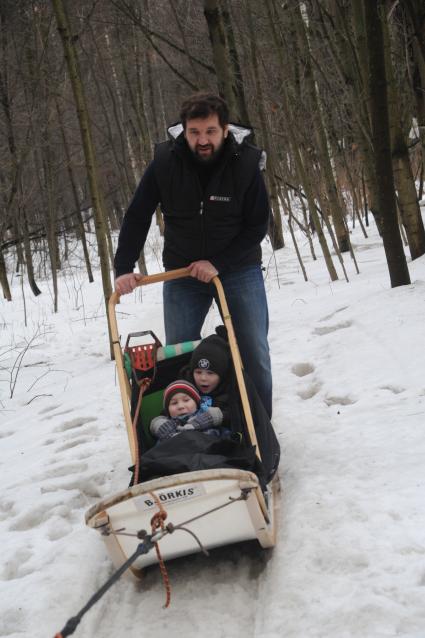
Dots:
{"x": 238, "y": 131}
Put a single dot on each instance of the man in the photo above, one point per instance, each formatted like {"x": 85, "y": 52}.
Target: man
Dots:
{"x": 216, "y": 212}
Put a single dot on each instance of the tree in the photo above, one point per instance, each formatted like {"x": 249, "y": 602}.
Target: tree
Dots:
{"x": 89, "y": 152}
{"x": 397, "y": 265}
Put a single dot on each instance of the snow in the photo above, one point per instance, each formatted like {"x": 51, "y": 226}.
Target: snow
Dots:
{"x": 348, "y": 364}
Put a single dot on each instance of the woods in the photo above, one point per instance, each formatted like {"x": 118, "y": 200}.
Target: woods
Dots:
{"x": 87, "y": 88}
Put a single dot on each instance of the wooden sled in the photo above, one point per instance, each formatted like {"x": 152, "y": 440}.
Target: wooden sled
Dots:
{"x": 204, "y": 508}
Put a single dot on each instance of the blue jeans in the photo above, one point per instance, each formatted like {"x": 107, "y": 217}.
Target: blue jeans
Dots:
{"x": 186, "y": 304}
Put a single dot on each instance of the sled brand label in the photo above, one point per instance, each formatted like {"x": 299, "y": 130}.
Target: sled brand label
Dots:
{"x": 220, "y": 198}
{"x": 170, "y": 496}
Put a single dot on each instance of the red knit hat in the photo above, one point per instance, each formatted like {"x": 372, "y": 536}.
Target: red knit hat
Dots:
{"x": 181, "y": 386}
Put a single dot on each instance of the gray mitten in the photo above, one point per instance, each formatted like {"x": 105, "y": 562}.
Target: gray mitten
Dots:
{"x": 163, "y": 428}
{"x": 212, "y": 417}
{"x": 167, "y": 430}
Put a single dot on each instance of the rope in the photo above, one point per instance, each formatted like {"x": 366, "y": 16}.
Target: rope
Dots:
{"x": 170, "y": 528}
{"x": 157, "y": 522}
{"x": 143, "y": 386}
{"x": 72, "y": 624}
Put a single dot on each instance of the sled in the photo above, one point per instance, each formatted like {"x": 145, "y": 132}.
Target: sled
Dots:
{"x": 199, "y": 510}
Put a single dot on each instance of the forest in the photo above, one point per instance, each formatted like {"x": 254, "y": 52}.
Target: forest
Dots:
{"x": 334, "y": 91}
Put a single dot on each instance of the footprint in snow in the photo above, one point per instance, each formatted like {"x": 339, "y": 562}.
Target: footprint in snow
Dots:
{"x": 53, "y": 416}
{"x": 49, "y": 408}
{"x": 328, "y": 329}
{"x": 395, "y": 389}
{"x": 333, "y": 314}
{"x": 71, "y": 435}
{"x": 32, "y": 518}
{"x": 63, "y": 470}
{"x": 71, "y": 444}
{"x": 302, "y": 369}
{"x": 49, "y": 441}
{"x": 39, "y": 515}
{"x": 75, "y": 423}
{"x": 339, "y": 400}
{"x": 310, "y": 392}
{"x": 7, "y": 509}
{"x": 16, "y": 565}
{"x": 4, "y": 435}
{"x": 88, "y": 487}
{"x": 58, "y": 528}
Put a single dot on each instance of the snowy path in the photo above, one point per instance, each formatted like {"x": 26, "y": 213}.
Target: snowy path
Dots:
{"x": 349, "y": 411}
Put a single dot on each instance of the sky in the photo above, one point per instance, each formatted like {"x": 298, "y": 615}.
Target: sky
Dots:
{"x": 349, "y": 405}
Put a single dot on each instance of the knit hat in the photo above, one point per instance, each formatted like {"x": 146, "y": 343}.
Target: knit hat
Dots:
{"x": 181, "y": 386}
{"x": 212, "y": 354}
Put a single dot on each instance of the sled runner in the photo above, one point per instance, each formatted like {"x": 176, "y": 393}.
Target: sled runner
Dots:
{"x": 190, "y": 493}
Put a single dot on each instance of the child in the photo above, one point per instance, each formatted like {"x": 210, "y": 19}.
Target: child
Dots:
{"x": 182, "y": 412}
{"x": 209, "y": 371}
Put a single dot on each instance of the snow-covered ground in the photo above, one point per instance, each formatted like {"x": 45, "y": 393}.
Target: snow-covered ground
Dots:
{"x": 348, "y": 362}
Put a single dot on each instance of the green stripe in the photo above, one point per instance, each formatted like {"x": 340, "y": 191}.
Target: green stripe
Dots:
{"x": 168, "y": 352}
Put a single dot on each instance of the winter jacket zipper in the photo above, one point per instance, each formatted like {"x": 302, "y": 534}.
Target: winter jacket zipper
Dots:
{"x": 201, "y": 212}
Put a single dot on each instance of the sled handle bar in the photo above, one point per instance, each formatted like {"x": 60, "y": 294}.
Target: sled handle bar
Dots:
{"x": 144, "y": 280}
{"x": 234, "y": 349}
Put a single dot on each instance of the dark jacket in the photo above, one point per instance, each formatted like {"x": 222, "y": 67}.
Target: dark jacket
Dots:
{"x": 218, "y": 212}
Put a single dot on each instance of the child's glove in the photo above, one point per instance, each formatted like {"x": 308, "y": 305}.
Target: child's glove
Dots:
{"x": 163, "y": 428}
{"x": 166, "y": 430}
{"x": 212, "y": 417}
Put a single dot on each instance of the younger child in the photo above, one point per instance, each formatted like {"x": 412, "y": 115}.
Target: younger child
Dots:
{"x": 182, "y": 412}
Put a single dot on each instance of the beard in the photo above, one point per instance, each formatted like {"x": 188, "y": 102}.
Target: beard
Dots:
{"x": 210, "y": 157}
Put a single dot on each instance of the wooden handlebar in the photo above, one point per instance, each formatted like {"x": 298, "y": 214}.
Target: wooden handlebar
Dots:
{"x": 153, "y": 279}
{"x": 164, "y": 276}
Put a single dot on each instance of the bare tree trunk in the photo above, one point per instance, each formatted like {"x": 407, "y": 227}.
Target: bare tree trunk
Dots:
{"x": 136, "y": 93}
{"x": 397, "y": 266}
{"x": 275, "y": 227}
{"x": 28, "y": 254}
{"x": 221, "y": 55}
{"x": 185, "y": 42}
{"x": 308, "y": 230}
{"x": 89, "y": 153}
{"x": 50, "y": 217}
{"x": 403, "y": 177}
{"x": 238, "y": 83}
{"x": 300, "y": 168}
{"x": 287, "y": 205}
{"x": 415, "y": 12}
{"x": 4, "y": 282}
{"x": 335, "y": 208}
{"x": 81, "y": 232}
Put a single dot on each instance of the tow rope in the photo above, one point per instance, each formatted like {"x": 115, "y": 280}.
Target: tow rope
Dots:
{"x": 157, "y": 523}
{"x": 159, "y": 530}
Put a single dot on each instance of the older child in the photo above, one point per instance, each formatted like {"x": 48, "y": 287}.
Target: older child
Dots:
{"x": 209, "y": 370}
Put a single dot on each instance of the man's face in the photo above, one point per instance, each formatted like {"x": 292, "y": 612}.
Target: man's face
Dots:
{"x": 205, "y": 136}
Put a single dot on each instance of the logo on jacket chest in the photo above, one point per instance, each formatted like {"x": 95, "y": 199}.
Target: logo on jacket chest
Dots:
{"x": 219, "y": 198}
